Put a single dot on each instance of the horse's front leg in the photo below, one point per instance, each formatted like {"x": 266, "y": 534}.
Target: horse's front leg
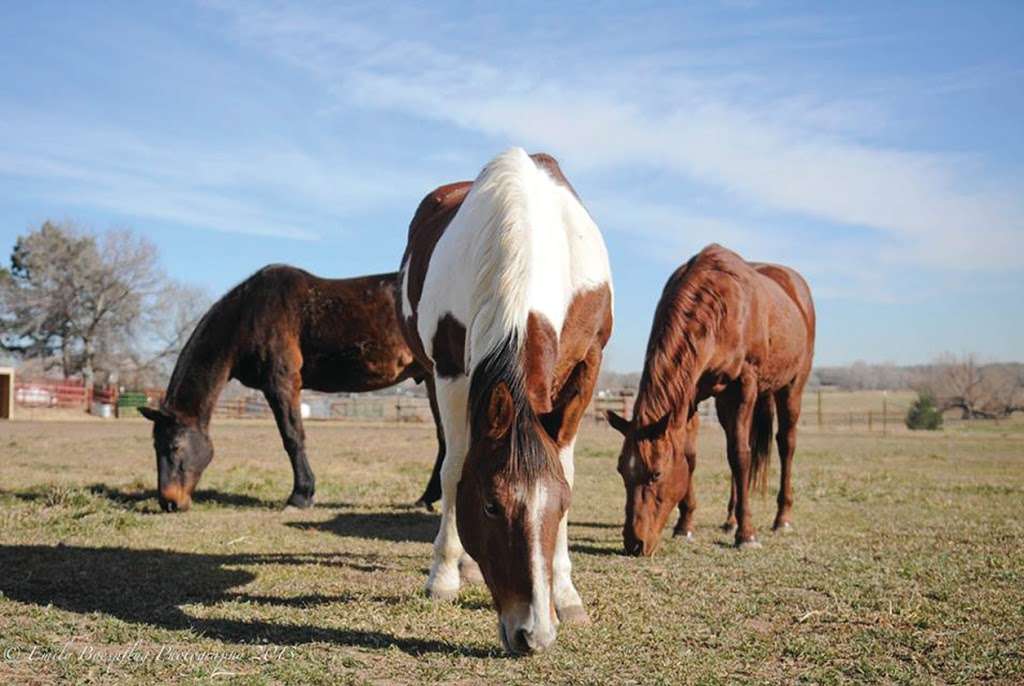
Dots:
{"x": 444, "y": 579}
{"x": 283, "y": 396}
{"x": 568, "y": 604}
{"x": 688, "y": 505}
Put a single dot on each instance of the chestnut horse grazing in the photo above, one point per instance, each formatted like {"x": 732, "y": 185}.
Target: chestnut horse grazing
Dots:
{"x": 280, "y": 330}
{"x": 743, "y": 333}
{"x": 506, "y": 298}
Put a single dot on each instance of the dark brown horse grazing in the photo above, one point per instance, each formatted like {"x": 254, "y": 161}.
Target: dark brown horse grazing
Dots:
{"x": 743, "y": 333}
{"x": 279, "y": 331}
{"x": 506, "y": 298}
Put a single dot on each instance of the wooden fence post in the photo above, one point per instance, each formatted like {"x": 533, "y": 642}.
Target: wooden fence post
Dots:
{"x": 885, "y": 412}
{"x": 819, "y": 409}
{"x": 870, "y": 413}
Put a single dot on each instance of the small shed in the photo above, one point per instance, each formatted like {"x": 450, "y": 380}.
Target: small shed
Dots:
{"x": 6, "y": 392}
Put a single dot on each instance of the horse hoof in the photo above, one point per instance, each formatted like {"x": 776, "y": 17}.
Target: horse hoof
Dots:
{"x": 752, "y": 544}
{"x": 443, "y": 595}
{"x": 299, "y": 502}
{"x": 784, "y": 528}
{"x": 574, "y": 614}
{"x": 685, "y": 535}
{"x": 429, "y": 507}
{"x": 729, "y": 528}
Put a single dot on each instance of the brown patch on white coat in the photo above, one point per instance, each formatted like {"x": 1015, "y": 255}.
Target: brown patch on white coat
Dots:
{"x": 525, "y": 408}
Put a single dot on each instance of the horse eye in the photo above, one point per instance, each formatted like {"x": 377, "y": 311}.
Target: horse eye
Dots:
{"x": 655, "y": 475}
{"x": 491, "y": 509}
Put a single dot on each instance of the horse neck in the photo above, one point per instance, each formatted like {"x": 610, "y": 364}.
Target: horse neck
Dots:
{"x": 199, "y": 376}
{"x": 676, "y": 358}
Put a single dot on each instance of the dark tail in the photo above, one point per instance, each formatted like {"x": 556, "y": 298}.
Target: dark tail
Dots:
{"x": 761, "y": 434}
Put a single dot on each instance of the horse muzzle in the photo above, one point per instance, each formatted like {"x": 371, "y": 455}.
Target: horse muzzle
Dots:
{"x": 525, "y": 637}
{"x": 175, "y": 498}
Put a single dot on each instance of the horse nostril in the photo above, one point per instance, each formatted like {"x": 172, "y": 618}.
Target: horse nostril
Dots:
{"x": 169, "y": 505}
{"x": 635, "y": 548}
{"x": 522, "y": 641}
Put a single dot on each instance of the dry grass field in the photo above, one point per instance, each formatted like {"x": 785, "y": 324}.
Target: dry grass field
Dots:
{"x": 906, "y": 565}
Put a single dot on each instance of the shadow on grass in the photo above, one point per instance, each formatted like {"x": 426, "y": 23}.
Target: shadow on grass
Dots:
{"x": 585, "y": 549}
{"x": 400, "y": 526}
{"x": 593, "y": 525}
{"x": 147, "y": 586}
{"x": 129, "y": 498}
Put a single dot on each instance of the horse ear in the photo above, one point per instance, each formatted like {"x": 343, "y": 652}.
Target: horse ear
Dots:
{"x": 617, "y": 422}
{"x": 153, "y": 415}
{"x": 499, "y": 411}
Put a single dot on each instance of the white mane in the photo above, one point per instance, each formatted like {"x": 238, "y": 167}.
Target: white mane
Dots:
{"x": 520, "y": 242}
{"x": 533, "y": 246}
{"x": 502, "y": 204}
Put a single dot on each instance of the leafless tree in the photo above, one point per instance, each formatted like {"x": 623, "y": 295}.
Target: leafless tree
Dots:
{"x": 147, "y": 360}
{"x": 72, "y": 295}
{"x": 978, "y": 391}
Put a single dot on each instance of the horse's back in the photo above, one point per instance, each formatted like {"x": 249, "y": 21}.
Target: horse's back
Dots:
{"x": 794, "y": 286}
{"x": 432, "y": 217}
{"x": 342, "y": 332}
{"x": 467, "y": 248}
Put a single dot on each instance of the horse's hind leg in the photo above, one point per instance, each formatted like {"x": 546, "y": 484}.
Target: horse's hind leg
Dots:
{"x": 730, "y": 515}
{"x": 787, "y": 402}
{"x": 283, "y": 397}
{"x": 433, "y": 491}
{"x": 687, "y": 506}
{"x": 736, "y": 412}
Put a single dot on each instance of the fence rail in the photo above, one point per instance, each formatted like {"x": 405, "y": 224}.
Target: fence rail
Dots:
{"x": 860, "y": 411}
{"x": 51, "y": 393}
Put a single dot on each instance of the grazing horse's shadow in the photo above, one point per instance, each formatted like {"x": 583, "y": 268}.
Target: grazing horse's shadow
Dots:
{"x": 399, "y": 526}
{"x": 131, "y": 498}
{"x": 200, "y": 496}
{"x": 584, "y": 549}
{"x": 148, "y": 586}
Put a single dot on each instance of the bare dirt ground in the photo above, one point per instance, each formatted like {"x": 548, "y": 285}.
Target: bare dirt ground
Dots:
{"x": 906, "y": 565}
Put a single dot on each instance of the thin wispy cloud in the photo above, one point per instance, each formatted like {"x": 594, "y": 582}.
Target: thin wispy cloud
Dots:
{"x": 931, "y": 206}
{"x": 875, "y": 148}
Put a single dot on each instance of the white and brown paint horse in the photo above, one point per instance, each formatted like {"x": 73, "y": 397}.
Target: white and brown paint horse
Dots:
{"x": 506, "y": 298}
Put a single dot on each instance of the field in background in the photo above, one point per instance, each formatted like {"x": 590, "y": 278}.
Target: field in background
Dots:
{"x": 906, "y": 565}
{"x": 879, "y": 412}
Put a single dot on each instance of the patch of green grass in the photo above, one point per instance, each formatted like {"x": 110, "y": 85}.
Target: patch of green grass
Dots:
{"x": 905, "y": 566}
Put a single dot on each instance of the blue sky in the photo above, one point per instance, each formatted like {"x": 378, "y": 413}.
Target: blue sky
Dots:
{"x": 876, "y": 147}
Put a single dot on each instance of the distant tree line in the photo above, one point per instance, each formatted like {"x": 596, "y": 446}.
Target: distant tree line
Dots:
{"x": 99, "y": 307}
{"x": 95, "y": 306}
{"x": 861, "y": 376}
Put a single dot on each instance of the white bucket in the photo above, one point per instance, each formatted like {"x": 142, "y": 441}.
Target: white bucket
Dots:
{"x": 103, "y": 410}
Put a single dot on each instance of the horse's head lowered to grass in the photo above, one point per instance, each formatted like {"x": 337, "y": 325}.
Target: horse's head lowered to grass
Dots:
{"x": 656, "y": 474}
{"x": 183, "y": 451}
{"x": 511, "y": 499}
